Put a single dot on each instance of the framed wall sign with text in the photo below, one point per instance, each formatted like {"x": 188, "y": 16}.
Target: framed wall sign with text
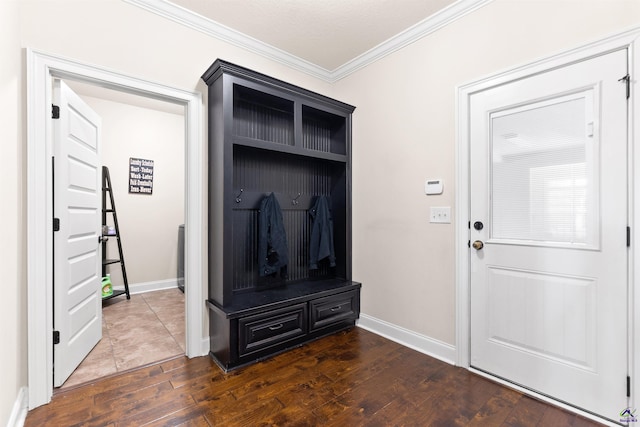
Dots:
{"x": 140, "y": 176}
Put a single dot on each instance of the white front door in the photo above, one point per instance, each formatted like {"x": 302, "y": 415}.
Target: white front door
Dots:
{"x": 549, "y": 211}
{"x": 77, "y": 251}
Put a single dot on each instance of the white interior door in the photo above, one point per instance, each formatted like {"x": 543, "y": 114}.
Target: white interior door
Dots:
{"x": 77, "y": 251}
{"x": 549, "y": 185}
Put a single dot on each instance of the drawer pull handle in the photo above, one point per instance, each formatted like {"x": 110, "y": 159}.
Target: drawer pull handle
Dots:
{"x": 336, "y": 308}
{"x": 276, "y": 327}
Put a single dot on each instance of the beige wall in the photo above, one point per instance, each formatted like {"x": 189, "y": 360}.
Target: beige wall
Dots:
{"x": 13, "y": 317}
{"x": 123, "y": 37}
{"x": 148, "y": 223}
{"x": 404, "y": 132}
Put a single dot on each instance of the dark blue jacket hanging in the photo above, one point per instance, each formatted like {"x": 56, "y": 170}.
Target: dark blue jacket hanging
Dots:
{"x": 273, "y": 254}
{"x": 321, "y": 234}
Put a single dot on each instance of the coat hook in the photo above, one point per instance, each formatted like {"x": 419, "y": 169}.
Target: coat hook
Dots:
{"x": 295, "y": 201}
{"x": 238, "y": 199}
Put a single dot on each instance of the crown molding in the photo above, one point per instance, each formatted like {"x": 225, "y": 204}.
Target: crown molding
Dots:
{"x": 214, "y": 29}
{"x": 197, "y": 22}
{"x": 414, "y": 33}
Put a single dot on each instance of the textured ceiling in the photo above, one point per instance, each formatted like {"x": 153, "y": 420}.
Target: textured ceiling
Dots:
{"x": 326, "y": 33}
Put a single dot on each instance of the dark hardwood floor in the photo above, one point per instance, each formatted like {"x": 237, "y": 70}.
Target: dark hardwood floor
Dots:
{"x": 354, "y": 378}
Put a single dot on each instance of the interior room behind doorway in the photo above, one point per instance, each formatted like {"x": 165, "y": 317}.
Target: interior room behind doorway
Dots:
{"x": 149, "y": 225}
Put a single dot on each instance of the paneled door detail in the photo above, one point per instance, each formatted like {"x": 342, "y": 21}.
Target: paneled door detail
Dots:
{"x": 77, "y": 256}
{"x": 549, "y": 264}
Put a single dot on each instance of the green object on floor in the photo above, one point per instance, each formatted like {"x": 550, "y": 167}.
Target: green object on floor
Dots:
{"x": 107, "y": 287}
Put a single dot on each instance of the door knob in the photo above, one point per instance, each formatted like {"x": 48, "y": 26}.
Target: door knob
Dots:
{"x": 477, "y": 245}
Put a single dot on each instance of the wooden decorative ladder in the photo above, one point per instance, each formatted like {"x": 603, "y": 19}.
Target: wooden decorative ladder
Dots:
{"x": 106, "y": 188}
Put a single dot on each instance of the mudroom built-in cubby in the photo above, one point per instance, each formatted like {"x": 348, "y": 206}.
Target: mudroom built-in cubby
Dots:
{"x": 278, "y": 153}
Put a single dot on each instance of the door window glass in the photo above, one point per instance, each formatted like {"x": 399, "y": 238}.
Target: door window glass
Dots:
{"x": 544, "y": 172}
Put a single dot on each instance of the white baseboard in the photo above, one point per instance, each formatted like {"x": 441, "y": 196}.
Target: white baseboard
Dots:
{"x": 143, "y": 287}
{"x": 204, "y": 350}
{"x": 20, "y": 409}
{"x": 429, "y": 346}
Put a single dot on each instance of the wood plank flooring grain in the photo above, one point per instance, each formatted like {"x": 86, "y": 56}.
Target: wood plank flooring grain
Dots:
{"x": 354, "y": 378}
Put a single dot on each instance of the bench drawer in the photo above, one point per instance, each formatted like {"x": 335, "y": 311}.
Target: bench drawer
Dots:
{"x": 271, "y": 328}
{"x": 334, "y": 308}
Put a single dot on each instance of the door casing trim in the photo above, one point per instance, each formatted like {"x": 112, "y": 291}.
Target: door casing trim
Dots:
{"x": 41, "y": 68}
{"x": 629, "y": 40}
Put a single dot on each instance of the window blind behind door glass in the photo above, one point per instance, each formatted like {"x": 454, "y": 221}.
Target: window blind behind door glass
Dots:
{"x": 543, "y": 172}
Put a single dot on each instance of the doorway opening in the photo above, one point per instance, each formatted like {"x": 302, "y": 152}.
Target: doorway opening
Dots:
{"x": 150, "y": 326}
{"x": 41, "y": 69}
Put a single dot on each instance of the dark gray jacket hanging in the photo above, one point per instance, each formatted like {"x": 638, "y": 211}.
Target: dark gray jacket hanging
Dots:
{"x": 273, "y": 254}
{"x": 321, "y": 234}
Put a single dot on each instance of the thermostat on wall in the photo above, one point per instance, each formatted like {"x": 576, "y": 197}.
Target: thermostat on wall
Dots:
{"x": 433, "y": 186}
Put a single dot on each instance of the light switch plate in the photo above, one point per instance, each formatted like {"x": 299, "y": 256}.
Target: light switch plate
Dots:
{"x": 441, "y": 215}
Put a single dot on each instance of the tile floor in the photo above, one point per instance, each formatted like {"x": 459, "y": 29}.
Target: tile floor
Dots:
{"x": 147, "y": 328}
